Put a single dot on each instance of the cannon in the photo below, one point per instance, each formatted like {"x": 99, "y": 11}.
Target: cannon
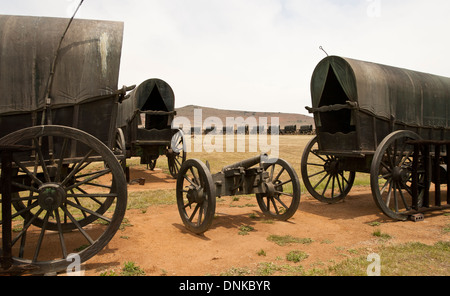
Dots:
{"x": 274, "y": 182}
{"x": 371, "y": 118}
{"x": 63, "y": 189}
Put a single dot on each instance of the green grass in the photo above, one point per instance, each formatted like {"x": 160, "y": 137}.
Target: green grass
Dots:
{"x": 143, "y": 199}
{"x": 296, "y": 256}
{"x": 129, "y": 269}
{"x": 383, "y": 236}
{"x": 411, "y": 259}
{"x": 287, "y": 239}
{"x": 245, "y": 229}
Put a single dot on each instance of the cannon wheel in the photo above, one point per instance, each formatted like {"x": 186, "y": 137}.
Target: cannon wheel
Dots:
{"x": 322, "y": 177}
{"x": 196, "y": 197}
{"x": 283, "y": 191}
{"x": 61, "y": 195}
{"x": 176, "y": 155}
{"x": 390, "y": 175}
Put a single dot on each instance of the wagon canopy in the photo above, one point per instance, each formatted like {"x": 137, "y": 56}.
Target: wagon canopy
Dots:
{"x": 151, "y": 95}
{"x": 87, "y": 65}
{"x": 408, "y": 97}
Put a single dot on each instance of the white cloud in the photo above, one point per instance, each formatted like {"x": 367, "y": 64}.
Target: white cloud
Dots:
{"x": 259, "y": 55}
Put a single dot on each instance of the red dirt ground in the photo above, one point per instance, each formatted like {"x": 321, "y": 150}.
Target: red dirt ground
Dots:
{"x": 158, "y": 242}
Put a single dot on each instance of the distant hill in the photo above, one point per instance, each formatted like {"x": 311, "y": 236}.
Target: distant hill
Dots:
{"x": 285, "y": 119}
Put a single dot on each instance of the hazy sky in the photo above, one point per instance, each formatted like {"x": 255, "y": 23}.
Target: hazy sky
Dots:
{"x": 259, "y": 55}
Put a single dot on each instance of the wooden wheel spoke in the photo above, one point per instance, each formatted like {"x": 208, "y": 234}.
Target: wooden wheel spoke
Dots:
{"x": 281, "y": 202}
{"x": 41, "y": 237}
{"x": 196, "y": 179}
{"x": 318, "y": 155}
{"x": 78, "y": 167}
{"x": 84, "y": 209}
{"x": 283, "y": 183}
{"x": 405, "y": 203}
{"x": 85, "y": 181}
{"x": 191, "y": 182}
{"x": 328, "y": 183}
{"x": 275, "y": 206}
{"x": 388, "y": 182}
{"x": 316, "y": 174}
{"x": 25, "y": 210}
{"x": 78, "y": 226}
{"x": 279, "y": 174}
{"x": 61, "y": 235}
{"x": 37, "y": 147}
{"x": 320, "y": 182}
{"x": 61, "y": 160}
{"x": 200, "y": 215}
{"x": 284, "y": 193}
{"x": 26, "y": 171}
{"x": 194, "y": 212}
{"x": 340, "y": 185}
{"x": 26, "y": 226}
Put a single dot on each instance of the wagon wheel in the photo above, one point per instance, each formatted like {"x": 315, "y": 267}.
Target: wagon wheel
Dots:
{"x": 322, "y": 176}
{"x": 151, "y": 166}
{"x": 282, "y": 196}
{"x": 62, "y": 194}
{"x": 176, "y": 155}
{"x": 390, "y": 175}
{"x": 196, "y": 196}
{"x": 120, "y": 149}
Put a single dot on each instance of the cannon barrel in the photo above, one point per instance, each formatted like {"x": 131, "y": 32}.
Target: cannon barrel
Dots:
{"x": 248, "y": 163}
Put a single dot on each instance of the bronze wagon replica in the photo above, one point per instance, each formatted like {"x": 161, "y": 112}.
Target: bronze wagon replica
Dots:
{"x": 64, "y": 193}
{"x": 145, "y": 120}
{"x": 392, "y": 123}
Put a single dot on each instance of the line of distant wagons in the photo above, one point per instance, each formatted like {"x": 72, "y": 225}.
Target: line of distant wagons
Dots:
{"x": 256, "y": 130}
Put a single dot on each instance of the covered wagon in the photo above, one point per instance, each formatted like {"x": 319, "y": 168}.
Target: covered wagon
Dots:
{"x": 145, "y": 119}
{"x": 63, "y": 190}
{"x": 368, "y": 119}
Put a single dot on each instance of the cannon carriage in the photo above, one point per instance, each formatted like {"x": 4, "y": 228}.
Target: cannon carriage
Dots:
{"x": 273, "y": 181}
{"x": 373, "y": 118}
{"x": 64, "y": 192}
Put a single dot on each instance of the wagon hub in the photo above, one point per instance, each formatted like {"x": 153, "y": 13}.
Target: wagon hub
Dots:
{"x": 51, "y": 196}
{"x": 270, "y": 189}
{"x": 332, "y": 167}
{"x": 400, "y": 174}
{"x": 195, "y": 195}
